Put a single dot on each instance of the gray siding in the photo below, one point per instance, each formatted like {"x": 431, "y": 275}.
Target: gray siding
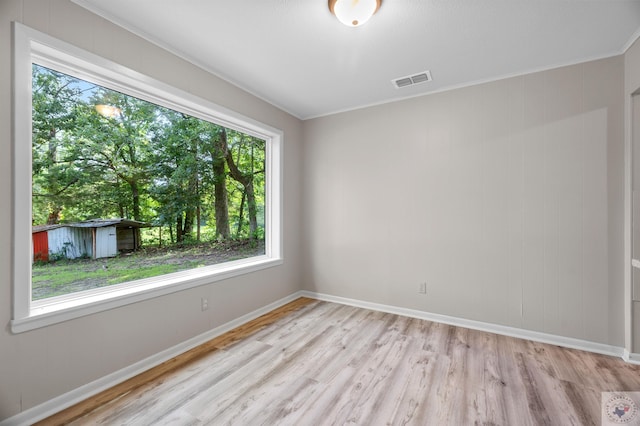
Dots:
{"x": 106, "y": 244}
{"x": 70, "y": 242}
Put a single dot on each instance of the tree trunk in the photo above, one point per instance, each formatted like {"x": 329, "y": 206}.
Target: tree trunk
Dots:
{"x": 198, "y": 223}
{"x": 191, "y": 211}
{"x": 241, "y": 214}
{"x": 179, "y": 233}
{"x": 196, "y": 184}
{"x": 54, "y": 215}
{"x": 245, "y": 180}
{"x": 253, "y": 211}
{"x": 53, "y": 187}
{"x": 135, "y": 193}
{"x": 221, "y": 203}
{"x": 188, "y": 223}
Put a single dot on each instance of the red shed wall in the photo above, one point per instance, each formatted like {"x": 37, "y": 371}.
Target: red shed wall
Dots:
{"x": 40, "y": 246}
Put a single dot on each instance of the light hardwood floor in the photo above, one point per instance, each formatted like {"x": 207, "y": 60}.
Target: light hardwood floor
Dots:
{"x": 319, "y": 363}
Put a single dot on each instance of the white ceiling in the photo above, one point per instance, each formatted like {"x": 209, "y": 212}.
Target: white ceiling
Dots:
{"x": 297, "y": 56}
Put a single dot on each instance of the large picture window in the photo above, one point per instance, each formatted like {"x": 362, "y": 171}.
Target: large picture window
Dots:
{"x": 127, "y": 188}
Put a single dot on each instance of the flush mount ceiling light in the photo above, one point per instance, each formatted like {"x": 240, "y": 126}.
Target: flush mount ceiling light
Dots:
{"x": 354, "y": 13}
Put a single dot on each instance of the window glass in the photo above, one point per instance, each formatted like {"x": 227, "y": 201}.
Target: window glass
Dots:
{"x": 125, "y": 189}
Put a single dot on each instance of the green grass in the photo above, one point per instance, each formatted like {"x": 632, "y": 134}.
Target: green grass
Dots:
{"x": 69, "y": 276}
{"x": 60, "y": 276}
{"x": 57, "y": 280}
{"x": 150, "y": 271}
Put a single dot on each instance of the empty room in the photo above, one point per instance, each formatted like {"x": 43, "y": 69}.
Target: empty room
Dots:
{"x": 320, "y": 212}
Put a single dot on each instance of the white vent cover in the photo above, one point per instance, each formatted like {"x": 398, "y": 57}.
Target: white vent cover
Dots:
{"x": 411, "y": 80}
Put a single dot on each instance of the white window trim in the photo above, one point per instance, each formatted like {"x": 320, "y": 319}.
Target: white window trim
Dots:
{"x": 30, "y": 44}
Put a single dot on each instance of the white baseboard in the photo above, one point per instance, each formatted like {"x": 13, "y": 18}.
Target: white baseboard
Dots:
{"x": 77, "y": 395}
{"x": 630, "y": 357}
{"x": 567, "y": 342}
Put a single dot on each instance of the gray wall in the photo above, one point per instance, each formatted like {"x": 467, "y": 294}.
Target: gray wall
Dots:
{"x": 505, "y": 198}
{"x": 632, "y": 85}
{"x": 39, "y": 365}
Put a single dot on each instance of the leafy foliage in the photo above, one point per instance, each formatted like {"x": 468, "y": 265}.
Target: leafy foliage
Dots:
{"x": 141, "y": 161}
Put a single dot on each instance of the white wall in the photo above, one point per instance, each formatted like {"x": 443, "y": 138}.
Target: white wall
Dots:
{"x": 39, "y": 365}
{"x": 506, "y": 198}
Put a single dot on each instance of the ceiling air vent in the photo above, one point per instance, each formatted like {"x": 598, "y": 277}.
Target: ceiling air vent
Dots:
{"x": 411, "y": 80}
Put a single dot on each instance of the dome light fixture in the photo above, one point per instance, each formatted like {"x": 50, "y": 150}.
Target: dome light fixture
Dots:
{"x": 354, "y": 13}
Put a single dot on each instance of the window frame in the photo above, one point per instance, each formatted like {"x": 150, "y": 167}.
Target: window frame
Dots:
{"x": 33, "y": 46}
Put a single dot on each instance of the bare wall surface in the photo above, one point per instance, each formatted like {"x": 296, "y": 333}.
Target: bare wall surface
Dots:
{"x": 632, "y": 85}
{"x": 42, "y": 364}
{"x": 505, "y": 198}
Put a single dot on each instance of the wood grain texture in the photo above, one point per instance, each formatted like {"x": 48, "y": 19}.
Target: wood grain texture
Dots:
{"x": 320, "y": 363}
{"x": 181, "y": 361}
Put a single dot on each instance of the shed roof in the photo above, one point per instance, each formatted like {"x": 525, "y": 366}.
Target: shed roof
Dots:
{"x": 94, "y": 223}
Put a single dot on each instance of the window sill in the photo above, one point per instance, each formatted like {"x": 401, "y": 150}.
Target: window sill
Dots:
{"x": 63, "y": 308}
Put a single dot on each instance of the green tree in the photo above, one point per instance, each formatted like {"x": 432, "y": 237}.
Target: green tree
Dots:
{"x": 117, "y": 147}
{"x": 246, "y": 176}
{"x": 56, "y": 101}
{"x": 100, "y": 153}
{"x": 178, "y": 173}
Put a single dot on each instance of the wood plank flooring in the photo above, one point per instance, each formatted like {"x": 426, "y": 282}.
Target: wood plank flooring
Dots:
{"x": 322, "y": 363}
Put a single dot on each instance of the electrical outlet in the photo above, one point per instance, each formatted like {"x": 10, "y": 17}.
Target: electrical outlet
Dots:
{"x": 205, "y": 304}
{"x": 423, "y": 288}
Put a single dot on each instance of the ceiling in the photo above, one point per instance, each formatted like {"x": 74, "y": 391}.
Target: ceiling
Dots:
{"x": 297, "y": 56}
